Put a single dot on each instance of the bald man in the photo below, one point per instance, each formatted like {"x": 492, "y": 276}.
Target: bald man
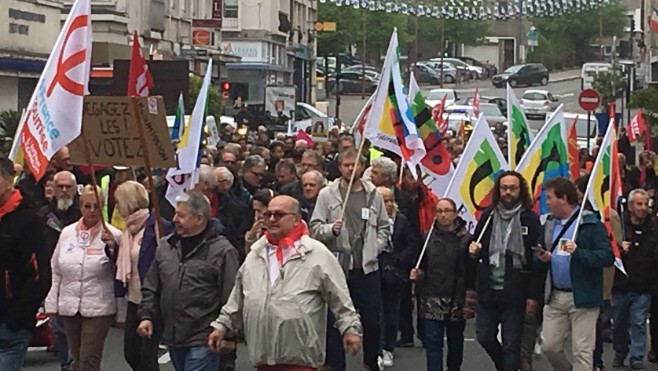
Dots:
{"x": 280, "y": 333}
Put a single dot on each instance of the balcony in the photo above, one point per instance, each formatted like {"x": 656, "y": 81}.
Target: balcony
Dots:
{"x": 230, "y": 24}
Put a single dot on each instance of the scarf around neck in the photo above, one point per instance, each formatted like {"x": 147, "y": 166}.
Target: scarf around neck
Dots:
{"x": 134, "y": 224}
{"x": 287, "y": 241}
{"x": 509, "y": 240}
{"x": 12, "y": 203}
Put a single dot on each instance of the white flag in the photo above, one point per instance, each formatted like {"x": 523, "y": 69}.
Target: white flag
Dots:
{"x": 186, "y": 175}
{"x": 54, "y": 114}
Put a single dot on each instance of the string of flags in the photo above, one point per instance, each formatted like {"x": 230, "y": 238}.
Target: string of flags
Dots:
{"x": 474, "y": 9}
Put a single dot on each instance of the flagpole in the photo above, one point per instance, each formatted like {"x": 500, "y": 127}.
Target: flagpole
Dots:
{"x": 349, "y": 186}
{"x": 147, "y": 161}
{"x": 402, "y": 163}
{"x": 486, "y": 225}
{"x": 427, "y": 240}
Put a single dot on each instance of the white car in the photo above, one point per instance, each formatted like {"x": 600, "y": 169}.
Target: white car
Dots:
{"x": 436, "y": 95}
{"x": 307, "y": 113}
{"x": 538, "y": 103}
{"x": 491, "y": 113}
{"x": 581, "y": 128}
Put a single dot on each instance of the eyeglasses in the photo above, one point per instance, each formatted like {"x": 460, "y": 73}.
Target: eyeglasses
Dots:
{"x": 276, "y": 214}
{"x": 90, "y": 206}
{"x": 445, "y": 211}
{"x": 509, "y": 188}
{"x": 260, "y": 175}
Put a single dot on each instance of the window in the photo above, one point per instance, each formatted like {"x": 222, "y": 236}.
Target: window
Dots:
{"x": 231, "y": 8}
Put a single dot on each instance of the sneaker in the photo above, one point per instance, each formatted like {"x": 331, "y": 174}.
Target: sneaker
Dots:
{"x": 652, "y": 357}
{"x": 618, "y": 362}
{"x": 638, "y": 366}
{"x": 380, "y": 363}
{"x": 388, "y": 359}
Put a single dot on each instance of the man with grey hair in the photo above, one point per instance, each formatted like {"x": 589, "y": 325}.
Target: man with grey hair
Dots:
{"x": 631, "y": 292}
{"x": 312, "y": 183}
{"x": 253, "y": 171}
{"x": 190, "y": 280}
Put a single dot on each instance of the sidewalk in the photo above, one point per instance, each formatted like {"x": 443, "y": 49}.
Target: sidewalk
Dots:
{"x": 565, "y": 75}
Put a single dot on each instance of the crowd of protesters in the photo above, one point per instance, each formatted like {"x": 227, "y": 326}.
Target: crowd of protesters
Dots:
{"x": 268, "y": 250}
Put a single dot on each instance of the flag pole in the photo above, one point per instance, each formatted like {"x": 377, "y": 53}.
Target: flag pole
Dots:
{"x": 85, "y": 146}
{"x": 349, "y": 186}
{"x": 427, "y": 240}
{"x": 147, "y": 161}
{"x": 402, "y": 163}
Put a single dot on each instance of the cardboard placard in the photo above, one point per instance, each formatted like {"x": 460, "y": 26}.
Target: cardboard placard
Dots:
{"x": 110, "y": 127}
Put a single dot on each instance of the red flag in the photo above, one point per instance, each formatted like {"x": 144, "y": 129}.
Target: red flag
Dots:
{"x": 301, "y": 134}
{"x": 437, "y": 116}
{"x": 476, "y": 103}
{"x": 461, "y": 132}
{"x": 140, "y": 81}
{"x": 636, "y": 127}
{"x": 573, "y": 151}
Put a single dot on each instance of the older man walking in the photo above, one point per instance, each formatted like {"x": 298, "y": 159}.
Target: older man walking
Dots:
{"x": 284, "y": 319}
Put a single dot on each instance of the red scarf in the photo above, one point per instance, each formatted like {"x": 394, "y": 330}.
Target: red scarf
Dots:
{"x": 12, "y": 203}
{"x": 287, "y": 241}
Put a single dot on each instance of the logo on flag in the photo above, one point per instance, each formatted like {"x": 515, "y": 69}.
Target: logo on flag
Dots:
{"x": 140, "y": 81}
{"x": 519, "y": 134}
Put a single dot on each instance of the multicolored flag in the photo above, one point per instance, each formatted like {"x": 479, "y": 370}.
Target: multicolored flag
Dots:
{"x": 472, "y": 185}
{"x": 179, "y": 121}
{"x": 519, "y": 134}
{"x": 574, "y": 151}
{"x": 437, "y": 162}
{"x": 546, "y": 158}
{"x": 604, "y": 187}
{"x": 186, "y": 175}
{"x": 54, "y": 113}
{"x": 390, "y": 124}
{"x": 140, "y": 81}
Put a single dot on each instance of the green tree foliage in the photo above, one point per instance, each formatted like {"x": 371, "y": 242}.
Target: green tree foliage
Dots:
{"x": 9, "y": 120}
{"x": 347, "y": 21}
{"x": 647, "y": 99}
{"x": 215, "y": 104}
{"x": 610, "y": 86}
{"x": 566, "y": 39}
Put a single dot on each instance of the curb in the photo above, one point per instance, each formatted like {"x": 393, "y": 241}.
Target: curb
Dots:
{"x": 561, "y": 79}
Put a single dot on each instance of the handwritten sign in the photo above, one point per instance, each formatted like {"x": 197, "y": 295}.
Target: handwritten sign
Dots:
{"x": 109, "y": 125}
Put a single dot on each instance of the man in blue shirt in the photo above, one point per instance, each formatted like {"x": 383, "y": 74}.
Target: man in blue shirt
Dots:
{"x": 575, "y": 282}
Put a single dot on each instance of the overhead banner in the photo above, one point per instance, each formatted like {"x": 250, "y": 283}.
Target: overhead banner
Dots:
{"x": 109, "y": 125}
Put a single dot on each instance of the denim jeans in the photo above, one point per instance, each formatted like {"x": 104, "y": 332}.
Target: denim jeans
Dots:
{"x": 391, "y": 300}
{"x": 13, "y": 347}
{"x": 488, "y": 315}
{"x": 196, "y": 358}
{"x": 61, "y": 346}
{"x": 406, "y": 324}
{"x": 653, "y": 323}
{"x": 630, "y": 323}
{"x": 433, "y": 336}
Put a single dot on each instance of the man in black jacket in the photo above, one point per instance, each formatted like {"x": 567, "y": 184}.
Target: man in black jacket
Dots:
{"x": 23, "y": 266}
{"x": 507, "y": 279}
{"x": 631, "y": 294}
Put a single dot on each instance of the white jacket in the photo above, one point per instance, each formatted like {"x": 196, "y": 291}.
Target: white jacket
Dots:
{"x": 83, "y": 275}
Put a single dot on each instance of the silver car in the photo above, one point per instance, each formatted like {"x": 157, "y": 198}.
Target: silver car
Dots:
{"x": 538, "y": 103}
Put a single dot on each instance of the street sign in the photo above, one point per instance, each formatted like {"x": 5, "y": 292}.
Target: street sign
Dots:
{"x": 589, "y": 99}
{"x": 225, "y": 96}
{"x": 325, "y": 26}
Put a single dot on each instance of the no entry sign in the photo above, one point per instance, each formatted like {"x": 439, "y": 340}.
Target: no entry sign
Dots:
{"x": 589, "y": 99}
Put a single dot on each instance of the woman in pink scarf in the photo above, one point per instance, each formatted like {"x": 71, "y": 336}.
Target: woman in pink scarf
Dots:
{"x": 134, "y": 258}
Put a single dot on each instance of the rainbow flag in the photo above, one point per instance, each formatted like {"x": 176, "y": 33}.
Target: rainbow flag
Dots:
{"x": 604, "y": 186}
{"x": 546, "y": 158}
{"x": 437, "y": 162}
{"x": 179, "y": 120}
{"x": 472, "y": 185}
{"x": 518, "y": 133}
{"x": 390, "y": 124}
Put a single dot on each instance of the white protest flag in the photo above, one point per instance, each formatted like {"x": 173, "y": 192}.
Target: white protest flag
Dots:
{"x": 186, "y": 175}
{"x": 54, "y": 114}
{"x": 472, "y": 185}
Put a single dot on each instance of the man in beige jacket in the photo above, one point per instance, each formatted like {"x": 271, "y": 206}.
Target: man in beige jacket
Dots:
{"x": 285, "y": 318}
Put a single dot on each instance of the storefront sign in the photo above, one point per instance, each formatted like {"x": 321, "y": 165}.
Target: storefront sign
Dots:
{"x": 250, "y": 51}
{"x": 17, "y": 17}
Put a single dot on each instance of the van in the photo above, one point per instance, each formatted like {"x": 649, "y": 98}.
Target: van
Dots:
{"x": 590, "y": 70}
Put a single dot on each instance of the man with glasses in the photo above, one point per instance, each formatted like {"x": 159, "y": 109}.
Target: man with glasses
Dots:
{"x": 281, "y": 335}
{"x": 253, "y": 171}
{"x": 63, "y": 209}
{"x": 508, "y": 281}
{"x": 356, "y": 238}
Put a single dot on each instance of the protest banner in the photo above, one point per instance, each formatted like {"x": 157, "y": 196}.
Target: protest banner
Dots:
{"x": 112, "y": 134}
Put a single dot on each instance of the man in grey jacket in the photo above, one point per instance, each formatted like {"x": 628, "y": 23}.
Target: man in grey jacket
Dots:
{"x": 190, "y": 280}
{"x": 356, "y": 239}
{"x": 285, "y": 318}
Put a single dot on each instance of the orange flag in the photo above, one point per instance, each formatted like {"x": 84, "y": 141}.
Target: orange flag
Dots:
{"x": 574, "y": 151}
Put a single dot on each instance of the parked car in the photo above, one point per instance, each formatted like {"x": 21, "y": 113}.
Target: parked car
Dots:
{"x": 426, "y": 75}
{"x": 538, "y": 103}
{"x": 359, "y": 67}
{"x": 500, "y": 102}
{"x": 351, "y": 82}
{"x": 488, "y": 68}
{"x": 306, "y": 114}
{"x": 522, "y": 74}
{"x": 475, "y": 72}
{"x": 460, "y": 68}
{"x": 490, "y": 110}
{"x": 449, "y": 73}
{"x": 436, "y": 95}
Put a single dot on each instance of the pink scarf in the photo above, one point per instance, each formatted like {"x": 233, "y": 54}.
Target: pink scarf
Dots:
{"x": 134, "y": 223}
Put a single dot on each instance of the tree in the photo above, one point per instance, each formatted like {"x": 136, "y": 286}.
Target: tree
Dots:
{"x": 610, "y": 87}
{"x": 347, "y": 19}
{"x": 9, "y": 121}
{"x": 648, "y": 100}
{"x": 215, "y": 103}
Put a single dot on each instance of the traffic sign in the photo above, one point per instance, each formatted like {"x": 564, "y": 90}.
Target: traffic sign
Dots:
{"x": 225, "y": 96}
{"x": 589, "y": 99}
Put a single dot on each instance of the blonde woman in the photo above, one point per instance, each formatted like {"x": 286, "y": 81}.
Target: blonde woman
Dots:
{"x": 133, "y": 259}
{"x": 82, "y": 290}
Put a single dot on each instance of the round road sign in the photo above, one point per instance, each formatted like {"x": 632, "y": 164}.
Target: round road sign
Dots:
{"x": 225, "y": 96}
{"x": 589, "y": 99}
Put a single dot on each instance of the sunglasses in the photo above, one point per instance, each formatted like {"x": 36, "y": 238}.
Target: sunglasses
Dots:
{"x": 277, "y": 215}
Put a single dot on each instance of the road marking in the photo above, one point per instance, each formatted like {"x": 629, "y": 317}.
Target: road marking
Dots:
{"x": 471, "y": 90}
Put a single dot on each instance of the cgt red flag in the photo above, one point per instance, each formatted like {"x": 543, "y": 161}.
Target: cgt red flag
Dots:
{"x": 476, "y": 103}
{"x": 140, "y": 81}
{"x": 573, "y": 151}
{"x": 636, "y": 127}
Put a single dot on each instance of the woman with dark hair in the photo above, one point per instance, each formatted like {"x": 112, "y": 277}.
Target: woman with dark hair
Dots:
{"x": 259, "y": 204}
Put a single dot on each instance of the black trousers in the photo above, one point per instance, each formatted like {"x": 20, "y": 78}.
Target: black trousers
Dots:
{"x": 140, "y": 353}
{"x": 653, "y": 323}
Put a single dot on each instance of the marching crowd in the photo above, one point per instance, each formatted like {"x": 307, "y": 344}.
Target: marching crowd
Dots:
{"x": 277, "y": 247}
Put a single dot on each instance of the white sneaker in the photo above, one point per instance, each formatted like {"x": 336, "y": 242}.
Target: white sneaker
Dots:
{"x": 388, "y": 359}
{"x": 380, "y": 363}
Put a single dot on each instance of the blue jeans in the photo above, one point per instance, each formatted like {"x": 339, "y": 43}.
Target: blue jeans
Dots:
{"x": 488, "y": 315}
{"x": 61, "y": 346}
{"x": 433, "y": 342}
{"x": 13, "y": 347}
{"x": 630, "y": 323}
{"x": 196, "y": 358}
{"x": 391, "y": 299}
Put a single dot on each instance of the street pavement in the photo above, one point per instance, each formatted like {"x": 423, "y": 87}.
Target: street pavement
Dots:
{"x": 407, "y": 359}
